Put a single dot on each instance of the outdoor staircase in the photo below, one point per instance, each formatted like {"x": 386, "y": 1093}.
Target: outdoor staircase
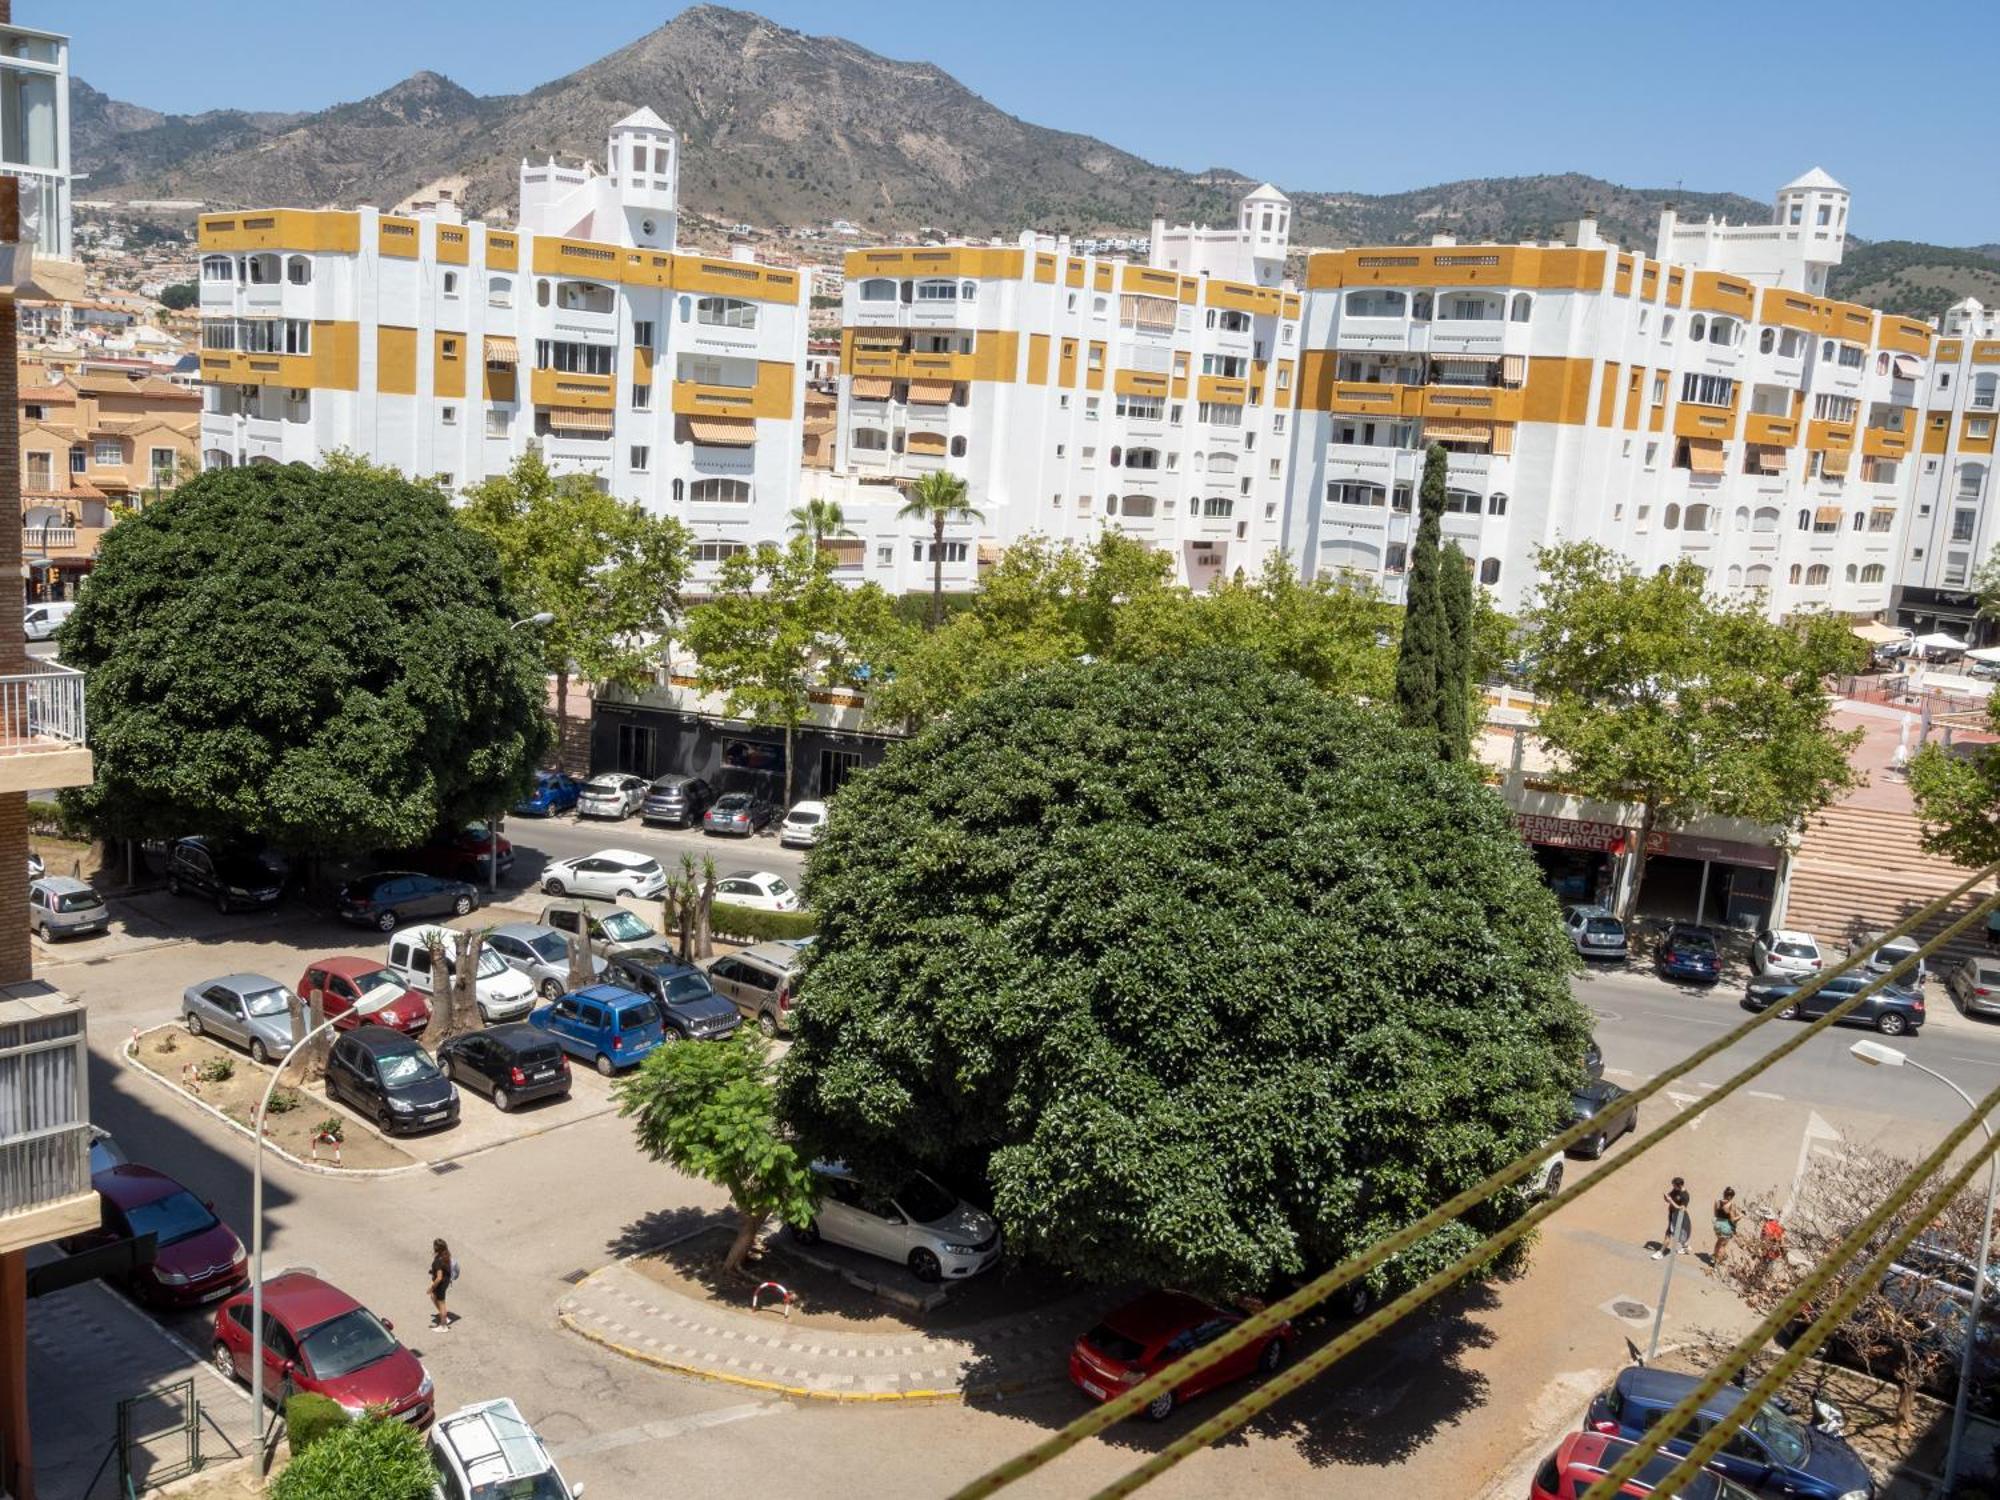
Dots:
{"x": 1863, "y": 869}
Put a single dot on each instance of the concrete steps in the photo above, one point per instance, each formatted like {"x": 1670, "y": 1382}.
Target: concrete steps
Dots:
{"x": 1863, "y": 869}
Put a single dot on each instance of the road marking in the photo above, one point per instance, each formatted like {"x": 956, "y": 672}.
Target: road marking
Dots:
{"x": 672, "y": 1427}
{"x": 1816, "y": 1130}
{"x": 1764, "y": 1094}
{"x": 1984, "y": 1062}
{"x": 1619, "y": 1073}
{"x": 1682, "y": 1101}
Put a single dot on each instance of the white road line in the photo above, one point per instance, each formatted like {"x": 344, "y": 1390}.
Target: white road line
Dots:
{"x": 1763, "y": 1094}
{"x": 1816, "y": 1130}
{"x": 672, "y": 1427}
{"x": 1984, "y": 1062}
{"x": 1619, "y": 1073}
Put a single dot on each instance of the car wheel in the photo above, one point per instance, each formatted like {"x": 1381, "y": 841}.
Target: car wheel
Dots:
{"x": 1272, "y": 1357}
{"x": 551, "y": 990}
{"x": 1160, "y": 1407}
{"x": 462, "y": 905}
{"x": 671, "y": 1034}
{"x": 174, "y": 889}
{"x": 1789, "y": 1013}
{"x": 1891, "y": 1023}
{"x": 42, "y": 928}
{"x": 924, "y": 1266}
{"x": 552, "y": 888}
{"x": 1555, "y": 1183}
{"x": 767, "y": 1023}
{"x": 627, "y": 895}
{"x": 192, "y": 1022}
{"x": 386, "y": 922}
{"x": 225, "y": 1364}
{"x": 604, "y": 1065}
{"x": 1596, "y": 1145}
{"x": 502, "y": 1100}
{"x": 385, "y": 1121}
{"x": 258, "y": 1053}
{"x": 1357, "y": 1301}
{"x": 806, "y": 1234}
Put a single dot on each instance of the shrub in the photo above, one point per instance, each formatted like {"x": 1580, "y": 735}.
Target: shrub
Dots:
{"x": 372, "y": 1459}
{"x": 332, "y": 1128}
{"x": 310, "y": 1417}
{"x": 749, "y": 925}
{"x": 216, "y": 1070}
{"x": 51, "y": 820}
{"x": 284, "y": 1101}
{"x": 170, "y": 1041}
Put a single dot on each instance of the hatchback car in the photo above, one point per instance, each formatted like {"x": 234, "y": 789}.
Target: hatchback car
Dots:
{"x": 1688, "y": 954}
{"x": 678, "y": 800}
{"x": 489, "y": 1451}
{"x": 385, "y": 1076}
{"x": 738, "y": 813}
{"x": 344, "y": 982}
{"x": 803, "y": 825}
{"x": 611, "y": 928}
{"x": 1792, "y": 954}
{"x": 1595, "y": 932}
{"x": 501, "y": 992}
{"x": 248, "y": 1009}
{"x": 1610, "y": 1112}
{"x": 462, "y": 855}
{"x": 511, "y": 1064}
{"x": 758, "y": 981}
{"x": 607, "y": 1026}
{"x": 319, "y": 1339}
{"x": 552, "y": 793}
{"x": 608, "y": 872}
{"x": 235, "y": 879}
{"x": 61, "y": 906}
{"x": 688, "y": 1003}
{"x": 1152, "y": 1332}
{"x": 390, "y": 898}
{"x": 759, "y": 890}
{"x": 1583, "y": 1458}
{"x": 615, "y": 794}
{"x": 539, "y": 952}
{"x": 1885, "y": 953}
{"x": 1975, "y": 984}
{"x": 196, "y": 1258}
{"x": 918, "y": 1224}
{"x": 1890, "y": 1010}
{"x": 1772, "y": 1453}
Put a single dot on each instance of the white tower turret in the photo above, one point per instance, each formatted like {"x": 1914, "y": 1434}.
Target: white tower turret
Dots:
{"x": 1265, "y": 217}
{"x": 1812, "y": 212}
{"x": 644, "y": 162}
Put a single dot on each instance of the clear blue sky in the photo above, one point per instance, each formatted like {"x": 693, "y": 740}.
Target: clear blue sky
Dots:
{"x": 1309, "y": 93}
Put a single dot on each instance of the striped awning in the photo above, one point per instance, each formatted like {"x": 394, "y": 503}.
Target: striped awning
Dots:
{"x": 990, "y": 553}
{"x": 1503, "y": 441}
{"x": 1833, "y": 463}
{"x": 1704, "y": 456}
{"x": 501, "y": 350}
{"x": 931, "y": 392}
{"x": 1514, "y": 368}
{"x": 1458, "y": 432}
{"x": 574, "y": 419}
{"x": 722, "y": 432}
{"x": 1828, "y": 514}
{"x": 885, "y": 340}
{"x": 925, "y": 442}
{"x": 1769, "y": 460}
{"x": 1909, "y": 367}
{"x": 870, "y": 387}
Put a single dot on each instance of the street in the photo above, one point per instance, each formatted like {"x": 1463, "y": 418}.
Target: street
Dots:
{"x": 537, "y": 840}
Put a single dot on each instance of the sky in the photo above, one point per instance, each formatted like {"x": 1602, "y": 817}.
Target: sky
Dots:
{"x": 1321, "y": 94}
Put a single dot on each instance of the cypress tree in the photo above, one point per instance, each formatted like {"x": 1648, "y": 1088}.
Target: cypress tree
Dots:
{"x": 1420, "y": 655}
{"x": 1454, "y": 720}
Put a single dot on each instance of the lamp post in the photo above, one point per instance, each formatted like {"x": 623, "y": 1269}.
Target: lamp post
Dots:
{"x": 1875, "y": 1054}
{"x": 366, "y": 1006}
{"x": 538, "y": 619}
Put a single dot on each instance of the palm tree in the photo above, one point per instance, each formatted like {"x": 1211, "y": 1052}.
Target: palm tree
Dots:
{"x": 938, "y": 497}
{"x": 819, "y": 519}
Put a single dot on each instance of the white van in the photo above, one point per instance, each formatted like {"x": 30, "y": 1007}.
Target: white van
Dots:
{"x": 503, "y": 993}
{"x": 42, "y": 620}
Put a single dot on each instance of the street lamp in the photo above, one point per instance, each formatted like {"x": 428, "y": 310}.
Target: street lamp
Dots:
{"x": 367, "y": 1005}
{"x": 538, "y": 619}
{"x": 1875, "y": 1054}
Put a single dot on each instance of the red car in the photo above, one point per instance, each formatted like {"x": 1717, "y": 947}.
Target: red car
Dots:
{"x": 1156, "y": 1330}
{"x": 197, "y": 1257}
{"x": 1583, "y": 1458}
{"x": 317, "y": 1338}
{"x": 459, "y": 856}
{"x": 343, "y": 981}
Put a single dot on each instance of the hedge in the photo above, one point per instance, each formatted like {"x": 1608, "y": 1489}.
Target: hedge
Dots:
{"x": 747, "y": 925}
{"x": 310, "y": 1417}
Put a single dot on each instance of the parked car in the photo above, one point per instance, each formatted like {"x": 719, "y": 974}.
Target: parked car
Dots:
{"x": 759, "y": 890}
{"x": 233, "y": 877}
{"x": 615, "y": 794}
{"x": 740, "y": 813}
{"x": 1583, "y": 1458}
{"x": 758, "y": 981}
{"x": 197, "y": 1258}
{"x": 36, "y": 869}
{"x": 391, "y": 897}
{"x": 344, "y": 982}
{"x": 1928, "y": 1266}
{"x": 1885, "y": 953}
{"x": 1606, "y": 1106}
{"x": 1688, "y": 954}
{"x": 688, "y": 1004}
{"x": 511, "y": 1064}
{"x": 319, "y": 1339}
{"x": 489, "y": 1451}
{"x": 387, "y": 1077}
{"x": 803, "y": 826}
{"x": 608, "y": 872}
{"x": 40, "y": 622}
{"x": 62, "y": 906}
{"x": 1891, "y": 1010}
{"x": 1152, "y": 1332}
{"x": 248, "y": 1009}
{"x": 936, "y": 1234}
{"x": 1595, "y": 932}
{"x": 105, "y": 1151}
{"x": 606, "y": 1025}
{"x": 1772, "y": 1453}
{"x": 611, "y": 928}
{"x": 502, "y": 992}
{"x": 1975, "y": 984}
{"x": 552, "y": 792}
{"x": 462, "y": 854}
{"x": 1546, "y": 1180}
{"x": 1787, "y": 952}
{"x": 539, "y": 952}
{"x": 676, "y": 799}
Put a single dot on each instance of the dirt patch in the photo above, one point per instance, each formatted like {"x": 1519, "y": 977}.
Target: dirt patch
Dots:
{"x": 180, "y": 1059}
{"x": 71, "y": 857}
{"x": 826, "y": 1300}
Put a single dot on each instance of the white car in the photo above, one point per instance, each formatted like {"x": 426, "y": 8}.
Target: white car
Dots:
{"x": 759, "y": 890}
{"x": 1792, "y": 954}
{"x": 612, "y": 795}
{"x": 803, "y": 825}
{"x": 920, "y": 1225}
{"x": 490, "y": 1450}
{"x": 611, "y": 873}
{"x": 503, "y": 992}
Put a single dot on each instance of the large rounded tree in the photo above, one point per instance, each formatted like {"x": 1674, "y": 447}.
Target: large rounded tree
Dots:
{"x": 317, "y": 657}
{"x": 1212, "y": 978}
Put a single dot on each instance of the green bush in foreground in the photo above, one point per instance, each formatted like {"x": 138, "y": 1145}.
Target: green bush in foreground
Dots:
{"x": 310, "y": 1417}
{"x": 752, "y": 925}
{"x": 372, "y": 1459}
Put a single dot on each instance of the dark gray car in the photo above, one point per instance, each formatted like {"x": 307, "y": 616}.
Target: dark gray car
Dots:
{"x": 676, "y": 799}
{"x": 539, "y": 952}
{"x": 251, "y": 1010}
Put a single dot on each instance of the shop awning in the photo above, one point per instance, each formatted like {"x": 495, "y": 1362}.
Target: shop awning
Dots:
{"x": 1458, "y": 432}
{"x": 930, "y": 392}
{"x": 723, "y": 432}
{"x": 1704, "y": 456}
{"x": 1514, "y": 368}
{"x": 1909, "y": 367}
{"x": 870, "y": 387}
{"x": 1828, "y": 514}
{"x": 501, "y": 350}
{"x": 925, "y": 442}
{"x": 1833, "y": 463}
{"x": 574, "y": 419}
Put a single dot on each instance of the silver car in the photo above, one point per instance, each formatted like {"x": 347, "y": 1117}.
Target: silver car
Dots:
{"x": 61, "y": 906}
{"x": 248, "y": 1009}
{"x": 541, "y": 953}
{"x": 612, "y": 928}
{"x": 615, "y": 794}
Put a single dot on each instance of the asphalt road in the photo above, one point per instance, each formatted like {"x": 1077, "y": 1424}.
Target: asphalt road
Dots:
{"x": 538, "y": 840}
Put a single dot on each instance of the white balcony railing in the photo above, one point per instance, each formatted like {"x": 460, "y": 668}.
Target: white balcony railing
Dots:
{"x": 40, "y": 708}
{"x": 42, "y": 540}
{"x": 44, "y": 1168}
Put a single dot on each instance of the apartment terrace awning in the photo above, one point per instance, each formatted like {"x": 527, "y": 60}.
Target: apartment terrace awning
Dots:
{"x": 1458, "y": 432}
{"x": 1513, "y": 368}
{"x": 1768, "y": 460}
{"x": 1833, "y": 463}
{"x": 1503, "y": 440}
{"x": 868, "y": 340}
{"x": 870, "y": 387}
{"x": 925, "y": 442}
{"x": 1909, "y": 367}
{"x": 930, "y": 392}
{"x": 723, "y": 432}
{"x": 575, "y": 420}
{"x": 1704, "y": 456}
{"x": 1826, "y": 513}
{"x": 501, "y": 350}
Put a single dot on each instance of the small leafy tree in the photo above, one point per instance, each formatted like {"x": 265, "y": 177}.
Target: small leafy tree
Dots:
{"x": 819, "y": 519}
{"x": 372, "y": 1458}
{"x": 179, "y": 296}
{"x": 938, "y": 497}
{"x": 711, "y": 1111}
{"x": 1420, "y": 659}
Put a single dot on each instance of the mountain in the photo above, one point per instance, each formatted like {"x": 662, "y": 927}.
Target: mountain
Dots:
{"x": 1915, "y": 279}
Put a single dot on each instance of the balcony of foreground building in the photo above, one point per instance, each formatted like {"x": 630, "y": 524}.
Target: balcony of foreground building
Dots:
{"x": 42, "y": 729}
{"x": 45, "y": 1190}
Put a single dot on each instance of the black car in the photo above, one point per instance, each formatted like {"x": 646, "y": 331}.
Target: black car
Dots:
{"x": 680, "y": 800}
{"x": 390, "y": 897}
{"x": 510, "y": 1064}
{"x": 1892, "y": 1010}
{"x": 1604, "y": 1105}
{"x": 233, "y": 877}
{"x": 689, "y": 1004}
{"x": 738, "y": 812}
{"x": 390, "y": 1079}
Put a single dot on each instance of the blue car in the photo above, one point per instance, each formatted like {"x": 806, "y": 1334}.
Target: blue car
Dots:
{"x": 1773, "y": 1453}
{"x": 605, "y": 1025}
{"x": 1688, "y": 954}
{"x": 552, "y": 793}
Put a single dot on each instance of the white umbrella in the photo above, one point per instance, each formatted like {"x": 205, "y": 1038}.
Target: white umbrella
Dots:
{"x": 1985, "y": 653}
{"x": 1937, "y": 640}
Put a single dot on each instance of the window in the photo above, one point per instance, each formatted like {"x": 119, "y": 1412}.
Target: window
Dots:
{"x": 954, "y": 552}
{"x": 1230, "y": 365}
{"x": 640, "y": 455}
{"x": 1697, "y": 327}
{"x": 1524, "y": 305}
{"x": 573, "y": 358}
{"x": 1139, "y": 408}
{"x": 1462, "y": 503}
{"x": 1852, "y": 356}
{"x": 1985, "y": 386}
{"x": 1767, "y": 341}
{"x": 218, "y": 268}
{"x": 1356, "y": 492}
{"x": 451, "y": 283}
{"x": 1666, "y": 327}
{"x": 1818, "y": 576}
{"x": 868, "y": 439}
{"x": 714, "y": 552}
{"x": 1971, "y": 481}
{"x": 1218, "y": 414}
{"x": 1089, "y": 458}
{"x": 1696, "y": 518}
{"x": 1496, "y": 503}
{"x": 585, "y": 296}
{"x": 1797, "y": 573}
{"x": 448, "y": 415}
{"x": 107, "y": 453}
{"x": 720, "y": 492}
{"x": 40, "y": 471}
{"x": 1489, "y": 571}
{"x": 498, "y": 419}
{"x": 1872, "y": 573}
{"x": 1723, "y": 331}
{"x": 162, "y": 467}
{"x": 1831, "y": 408}
{"x": 79, "y": 457}
{"x": 1140, "y": 458}
{"x": 1468, "y": 308}
{"x": 1765, "y": 518}
{"x": 958, "y": 447}
{"x": 1096, "y": 359}
{"x": 1708, "y": 390}
{"x": 499, "y": 291}
{"x": 299, "y": 271}
{"x": 722, "y": 312}
{"x": 642, "y": 330}
{"x": 1964, "y": 523}
{"x": 878, "y": 289}
{"x": 1805, "y": 520}
{"x": 1659, "y": 388}
{"x": 1979, "y": 428}
{"x": 937, "y": 291}
{"x": 1090, "y": 404}
{"x": 1670, "y": 521}
{"x": 886, "y": 556}
{"x": 1375, "y": 304}
{"x": 642, "y": 398}
{"x": 542, "y": 292}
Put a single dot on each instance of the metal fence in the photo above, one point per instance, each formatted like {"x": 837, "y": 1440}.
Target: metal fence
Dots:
{"x": 41, "y": 708}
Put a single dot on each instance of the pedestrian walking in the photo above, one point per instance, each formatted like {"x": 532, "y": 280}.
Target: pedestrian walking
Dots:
{"x": 1727, "y": 1212}
{"x": 1677, "y": 1198}
{"x": 444, "y": 1271}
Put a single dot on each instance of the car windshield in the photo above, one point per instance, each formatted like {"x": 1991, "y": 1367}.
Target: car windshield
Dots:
{"x": 1694, "y": 942}
{"x": 367, "y": 984}
{"x": 647, "y": 867}
{"x": 1585, "y": 1103}
{"x": 604, "y": 784}
{"x": 491, "y": 963}
{"x": 549, "y": 948}
{"x": 173, "y": 1218}
{"x": 734, "y": 802}
{"x": 1112, "y": 1344}
{"x": 803, "y": 815}
{"x": 342, "y": 1345}
{"x": 1602, "y": 924}
{"x": 543, "y": 1486}
{"x": 637, "y": 1017}
{"x": 1784, "y": 1437}
{"x": 685, "y": 987}
{"x": 1794, "y": 950}
{"x": 923, "y": 1200}
{"x": 79, "y": 901}
{"x": 402, "y": 1068}
{"x": 268, "y": 1002}
{"x": 623, "y": 927}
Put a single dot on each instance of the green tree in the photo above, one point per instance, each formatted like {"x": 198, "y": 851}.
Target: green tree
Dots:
{"x": 608, "y": 570}
{"x": 179, "y": 296}
{"x": 1420, "y": 658}
{"x": 320, "y": 658}
{"x": 373, "y": 1458}
{"x": 1456, "y": 683}
{"x": 780, "y": 624}
{"x": 938, "y": 497}
{"x": 1958, "y": 800}
{"x": 710, "y": 1111}
{"x": 1048, "y": 933}
{"x": 1652, "y": 691}
{"x": 819, "y": 519}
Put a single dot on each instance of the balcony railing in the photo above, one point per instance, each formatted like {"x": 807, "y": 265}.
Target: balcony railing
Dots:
{"x": 41, "y": 708}
{"x": 44, "y": 1168}
{"x": 45, "y": 539}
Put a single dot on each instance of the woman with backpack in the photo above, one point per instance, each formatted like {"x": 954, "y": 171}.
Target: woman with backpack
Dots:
{"x": 444, "y": 1271}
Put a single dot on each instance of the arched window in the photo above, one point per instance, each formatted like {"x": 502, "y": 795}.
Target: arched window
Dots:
{"x": 1222, "y": 463}
{"x": 499, "y": 291}
{"x": 725, "y": 312}
{"x": 1757, "y": 576}
{"x": 1881, "y": 368}
{"x": 1818, "y": 575}
{"x": 264, "y": 269}
{"x": 1725, "y": 331}
{"x": 1116, "y": 454}
{"x": 217, "y": 458}
{"x": 1667, "y": 326}
{"x": 878, "y": 289}
{"x": 1826, "y": 350}
{"x": 720, "y": 491}
{"x": 1736, "y": 575}
{"x": 1111, "y": 505}
{"x": 1797, "y": 573}
{"x": 958, "y": 446}
{"x": 1698, "y": 327}
{"x": 868, "y": 439}
{"x": 1971, "y": 480}
{"x": 1860, "y": 520}
{"x": 218, "y": 268}
{"x": 1873, "y": 573}
{"x": 1489, "y": 570}
{"x": 1142, "y": 458}
{"x": 299, "y": 270}
{"x": 1985, "y": 385}
{"x": 1496, "y": 503}
{"x": 968, "y": 291}
{"x": 1523, "y": 306}
{"x": 1805, "y": 520}
{"x": 1420, "y": 307}
{"x": 450, "y": 283}
{"x": 1764, "y": 518}
{"x": 542, "y": 292}
{"x": 1672, "y": 519}
{"x": 1140, "y": 506}
{"x": 1742, "y": 518}
{"x": 1767, "y": 341}
{"x": 1373, "y": 302}
{"x": 1197, "y": 461}
{"x": 1697, "y": 518}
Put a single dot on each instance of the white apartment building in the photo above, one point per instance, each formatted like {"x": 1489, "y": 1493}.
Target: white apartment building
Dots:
{"x": 1073, "y": 394}
{"x": 1706, "y": 401}
{"x": 1952, "y": 530}
{"x": 34, "y": 134}
{"x": 447, "y": 347}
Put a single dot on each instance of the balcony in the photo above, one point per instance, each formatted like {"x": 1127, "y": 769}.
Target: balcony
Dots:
{"x": 42, "y": 540}
{"x": 581, "y": 392}
{"x": 1770, "y": 431}
{"x": 45, "y": 1190}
